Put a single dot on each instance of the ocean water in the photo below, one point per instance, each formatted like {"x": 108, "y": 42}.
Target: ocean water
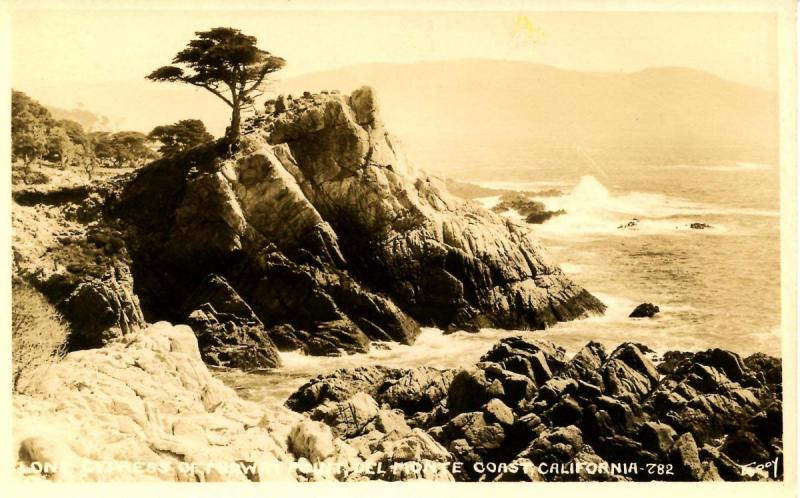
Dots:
{"x": 717, "y": 287}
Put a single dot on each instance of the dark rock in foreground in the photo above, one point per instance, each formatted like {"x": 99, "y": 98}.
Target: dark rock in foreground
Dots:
{"x": 644, "y": 310}
{"x": 531, "y": 414}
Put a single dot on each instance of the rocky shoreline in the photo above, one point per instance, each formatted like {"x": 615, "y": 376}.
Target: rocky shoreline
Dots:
{"x": 314, "y": 234}
{"x": 526, "y": 413}
{"x": 145, "y": 407}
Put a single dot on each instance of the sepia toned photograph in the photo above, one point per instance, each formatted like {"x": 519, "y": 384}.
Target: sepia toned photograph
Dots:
{"x": 290, "y": 243}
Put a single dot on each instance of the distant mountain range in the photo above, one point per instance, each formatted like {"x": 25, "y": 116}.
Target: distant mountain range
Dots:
{"x": 667, "y": 114}
{"x": 448, "y": 114}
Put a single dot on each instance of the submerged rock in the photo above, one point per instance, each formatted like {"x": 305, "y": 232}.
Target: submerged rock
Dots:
{"x": 532, "y": 211}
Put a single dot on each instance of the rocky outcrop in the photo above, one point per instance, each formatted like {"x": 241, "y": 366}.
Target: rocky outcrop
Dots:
{"x": 526, "y": 412}
{"x": 145, "y": 407}
{"x": 319, "y": 233}
{"x": 531, "y": 211}
{"x": 445, "y": 262}
{"x": 314, "y": 234}
{"x": 644, "y": 310}
{"x": 78, "y": 262}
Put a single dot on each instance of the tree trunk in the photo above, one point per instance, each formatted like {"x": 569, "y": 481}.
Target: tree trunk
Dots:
{"x": 236, "y": 121}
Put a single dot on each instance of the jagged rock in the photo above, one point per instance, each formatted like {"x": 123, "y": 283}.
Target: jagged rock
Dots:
{"x": 312, "y": 440}
{"x": 672, "y": 361}
{"x": 556, "y": 445}
{"x": 481, "y": 435}
{"x": 341, "y": 385}
{"x": 389, "y": 422}
{"x": 745, "y": 448}
{"x": 557, "y": 388}
{"x": 632, "y": 355}
{"x": 586, "y": 363}
{"x": 518, "y": 388}
{"x": 319, "y": 224}
{"x": 685, "y": 457}
{"x": 565, "y": 412}
{"x": 415, "y": 447}
{"x": 350, "y": 417}
{"x": 100, "y": 309}
{"x": 418, "y": 390}
{"x": 498, "y": 411}
{"x": 533, "y": 211}
{"x": 88, "y": 410}
{"x": 657, "y": 437}
{"x": 766, "y": 368}
{"x": 623, "y": 381}
{"x": 644, "y": 310}
{"x": 228, "y": 340}
{"x": 729, "y": 363}
{"x": 410, "y": 222}
{"x": 634, "y": 418}
{"x": 470, "y": 389}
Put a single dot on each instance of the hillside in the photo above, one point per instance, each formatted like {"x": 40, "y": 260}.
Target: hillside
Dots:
{"x": 665, "y": 114}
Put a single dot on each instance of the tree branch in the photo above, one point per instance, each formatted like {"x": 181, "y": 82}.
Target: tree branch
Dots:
{"x": 209, "y": 88}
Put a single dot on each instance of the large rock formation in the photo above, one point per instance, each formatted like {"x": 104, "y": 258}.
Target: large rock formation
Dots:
{"x": 526, "y": 413}
{"x": 319, "y": 231}
{"x": 145, "y": 408}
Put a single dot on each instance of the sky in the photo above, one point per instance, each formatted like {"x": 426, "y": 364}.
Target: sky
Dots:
{"x": 99, "y": 58}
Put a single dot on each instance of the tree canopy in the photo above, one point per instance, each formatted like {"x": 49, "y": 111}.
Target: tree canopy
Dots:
{"x": 228, "y": 64}
{"x": 181, "y": 136}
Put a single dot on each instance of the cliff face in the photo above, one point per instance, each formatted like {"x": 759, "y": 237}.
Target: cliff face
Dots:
{"x": 316, "y": 234}
{"x": 444, "y": 261}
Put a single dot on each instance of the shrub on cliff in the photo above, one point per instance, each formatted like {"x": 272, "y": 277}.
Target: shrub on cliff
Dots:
{"x": 37, "y": 335}
{"x": 25, "y": 175}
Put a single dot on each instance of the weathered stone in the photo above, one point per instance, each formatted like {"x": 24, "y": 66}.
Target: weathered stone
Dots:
{"x": 388, "y": 421}
{"x": 684, "y": 456}
{"x": 101, "y": 309}
{"x": 148, "y": 397}
{"x": 350, "y": 417}
{"x": 470, "y": 389}
{"x": 644, "y": 310}
{"x": 498, "y": 411}
{"x": 231, "y": 341}
{"x": 657, "y": 437}
{"x": 420, "y": 389}
{"x": 745, "y": 448}
{"x": 311, "y": 440}
{"x": 341, "y": 385}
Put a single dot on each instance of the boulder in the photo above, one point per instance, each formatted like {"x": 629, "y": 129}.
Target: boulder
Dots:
{"x": 228, "y": 340}
{"x": 644, "y": 310}
{"x": 686, "y": 459}
{"x": 341, "y": 385}
{"x": 89, "y": 410}
{"x": 350, "y": 417}
{"x": 419, "y": 389}
{"x": 311, "y": 440}
{"x": 499, "y": 412}
{"x": 471, "y": 389}
{"x": 100, "y": 309}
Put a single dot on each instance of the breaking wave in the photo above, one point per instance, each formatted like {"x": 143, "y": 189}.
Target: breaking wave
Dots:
{"x": 591, "y": 209}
